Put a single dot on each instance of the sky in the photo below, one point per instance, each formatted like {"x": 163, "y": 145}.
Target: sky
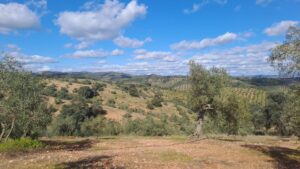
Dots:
{"x": 145, "y": 36}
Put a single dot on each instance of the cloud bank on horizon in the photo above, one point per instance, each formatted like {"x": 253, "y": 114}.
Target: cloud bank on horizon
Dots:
{"x": 143, "y": 37}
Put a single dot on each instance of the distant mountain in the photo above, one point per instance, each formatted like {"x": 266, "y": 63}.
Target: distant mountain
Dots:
{"x": 90, "y": 75}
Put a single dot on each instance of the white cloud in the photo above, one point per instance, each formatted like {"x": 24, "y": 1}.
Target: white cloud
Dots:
{"x": 126, "y": 42}
{"x": 142, "y": 54}
{"x": 280, "y": 28}
{"x": 94, "y": 53}
{"x": 35, "y": 59}
{"x": 208, "y": 42}
{"x": 102, "y": 62}
{"x": 31, "y": 59}
{"x": 117, "y": 52}
{"x": 263, "y": 2}
{"x": 104, "y": 23}
{"x": 79, "y": 46}
{"x": 240, "y": 60}
{"x": 13, "y": 47}
{"x": 141, "y": 68}
{"x": 197, "y": 6}
{"x": 15, "y": 16}
{"x": 246, "y": 60}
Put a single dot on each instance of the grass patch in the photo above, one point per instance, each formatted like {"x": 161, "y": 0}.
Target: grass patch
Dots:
{"x": 174, "y": 156}
{"x": 23, "y": 144}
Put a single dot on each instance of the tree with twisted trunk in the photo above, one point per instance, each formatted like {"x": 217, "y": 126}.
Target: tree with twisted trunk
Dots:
{"x": 205, "y": 87}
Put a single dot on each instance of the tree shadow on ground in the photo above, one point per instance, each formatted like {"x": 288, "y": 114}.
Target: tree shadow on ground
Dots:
{"x": 94, "y": 162}
{"x": 285, "y": 158}
{"x": 68, "y": 145}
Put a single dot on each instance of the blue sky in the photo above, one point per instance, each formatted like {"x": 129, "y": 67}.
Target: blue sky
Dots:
{"x": 145, "y": 37}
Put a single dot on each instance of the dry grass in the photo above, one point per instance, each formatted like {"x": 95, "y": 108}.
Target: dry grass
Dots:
{"x": 157, "y": 152}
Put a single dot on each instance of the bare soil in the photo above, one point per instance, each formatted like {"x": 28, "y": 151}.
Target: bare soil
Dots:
{"x": 218, "y": 152}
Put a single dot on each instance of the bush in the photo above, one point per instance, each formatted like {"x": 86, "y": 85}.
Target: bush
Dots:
{"x": 58, "y": 101}
{"x": 72, "y": 116}
{"x": 63, "y": 94}
{"x": 87, "y": 82}
{"x": 86, "y": 92}
{"x": 147, "y": 127}
{"x": 150, "y": 106}
{"x": 22, "y": 144}
{"x": 111, "y": 103}
{"x": 100, "y": 126}
{"x": 131, "y": 89}
{"x": 155, "y": 102}
{"x": 98, "y": 86}
{"x": 50, "y": 90}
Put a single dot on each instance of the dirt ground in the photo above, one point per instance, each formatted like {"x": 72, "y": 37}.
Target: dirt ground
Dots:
{"x": 218, "y": 152}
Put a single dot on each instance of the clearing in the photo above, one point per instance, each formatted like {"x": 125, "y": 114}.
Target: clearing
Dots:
{"x": 250, "y": 152}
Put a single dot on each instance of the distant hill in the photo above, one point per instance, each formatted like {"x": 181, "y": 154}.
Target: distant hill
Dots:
{"x": 88, "y": 75}
{"x": 172, "y": 82}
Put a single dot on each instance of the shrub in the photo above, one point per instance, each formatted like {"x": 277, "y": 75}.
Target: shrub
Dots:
{"x": 87, "y": 82}
{"x": 150, "y": 106}
{"x": 156, "y": 101}
{"x": 133, "y": 90}
{"x": 100, "y": 126}
{"x": 72, "y": 116}
{"x": 58, "y": 101}
{"x": 98, "y": 86}
{"x": 147, "y": 127}
{"x": 50, "y": 90}
{"x": 63, "y": 94}
{"x": 111, "y": 103}
{"x": 86, "y": 92}
{"x": 22, "y": 144}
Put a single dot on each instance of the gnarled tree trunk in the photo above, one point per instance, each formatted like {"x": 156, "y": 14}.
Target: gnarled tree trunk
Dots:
{"x": 10, "y": 130}
{"x": 199, "y": 128}
{"x": 3, "y": 131}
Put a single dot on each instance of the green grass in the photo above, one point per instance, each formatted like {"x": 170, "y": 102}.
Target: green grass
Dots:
{"x": 23, "y": 144}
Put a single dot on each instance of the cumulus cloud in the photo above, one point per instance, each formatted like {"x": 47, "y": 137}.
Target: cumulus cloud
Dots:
{"x": 240, "y": 60}
{"x": 105, "y": 22}
{"x": 263, "y": 2}
{"x": 280, "y": 28}
{"x": 100, "y": 53}
{"x": 15, "y": 51}
{"x": 208, "y": 42}
{"x": 142, "y": 68}
{"x": 142, "y": 54}
{"x": 246, "y": 60}
{"x": 79, "y": 46}
{"x": 126, "y": 42}
{"x": 15, "y": 16}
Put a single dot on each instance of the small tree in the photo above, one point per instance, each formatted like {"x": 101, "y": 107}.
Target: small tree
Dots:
{"x": 205, "y": 87}
{"x": 22, "y": 109}
{"x": 286, "y": 58}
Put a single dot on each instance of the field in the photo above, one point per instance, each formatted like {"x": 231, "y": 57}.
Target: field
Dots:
{"x": 252, "y": 152}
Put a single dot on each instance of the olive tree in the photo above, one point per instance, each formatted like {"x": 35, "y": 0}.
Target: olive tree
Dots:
{"x": 205, "y": 87}
{"x": 23, "y": 110}
{"x": 286, "y": 58}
